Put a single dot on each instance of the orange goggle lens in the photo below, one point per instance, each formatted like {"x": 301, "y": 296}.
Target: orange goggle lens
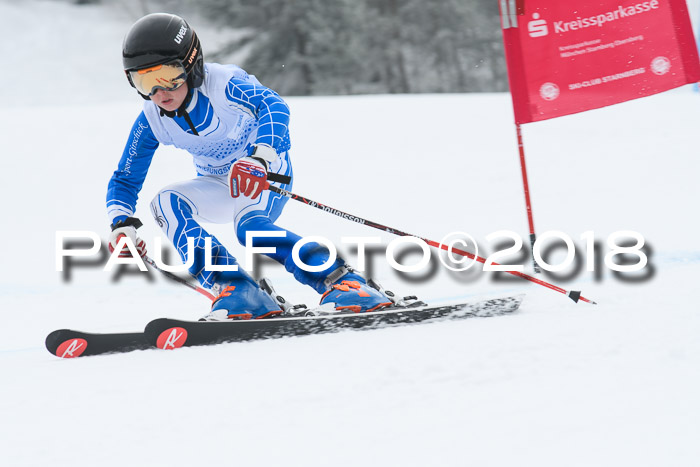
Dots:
{"x": 169, "y": 77}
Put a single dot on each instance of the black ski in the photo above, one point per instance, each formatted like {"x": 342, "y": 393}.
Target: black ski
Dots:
{"x": 67, "y": 343}
{"x": 168, "y": 333}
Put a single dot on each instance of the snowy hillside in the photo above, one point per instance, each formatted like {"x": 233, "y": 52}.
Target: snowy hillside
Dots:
{"x": 556, "y": 384}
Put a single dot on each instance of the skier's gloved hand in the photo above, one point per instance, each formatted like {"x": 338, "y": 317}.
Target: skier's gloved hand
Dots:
{"x": 127, "y": 228}
{"x": 248, "y": 176}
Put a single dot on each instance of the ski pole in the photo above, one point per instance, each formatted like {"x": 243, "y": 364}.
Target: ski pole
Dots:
{"x": 575, "y": 295}
{"x": 179, "y": 279}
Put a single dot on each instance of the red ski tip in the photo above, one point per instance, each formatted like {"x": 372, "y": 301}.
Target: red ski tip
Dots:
{"x": 172, "y": 338}
{"x": 71, "y": 348}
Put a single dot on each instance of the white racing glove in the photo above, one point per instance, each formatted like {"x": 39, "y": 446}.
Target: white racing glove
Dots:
{"x": 127, "y": 228}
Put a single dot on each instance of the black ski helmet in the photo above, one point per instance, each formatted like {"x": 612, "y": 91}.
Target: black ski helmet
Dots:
{"x": 160, "y": 38}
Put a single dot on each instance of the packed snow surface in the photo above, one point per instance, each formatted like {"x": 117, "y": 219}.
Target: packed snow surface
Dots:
{"x": 556, "y": 384}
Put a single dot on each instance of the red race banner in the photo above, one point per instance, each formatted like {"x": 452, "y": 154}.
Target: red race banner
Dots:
{"x": 565, "y": 57}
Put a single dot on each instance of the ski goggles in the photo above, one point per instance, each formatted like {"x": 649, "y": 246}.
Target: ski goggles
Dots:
{"x": 168, "y": 76}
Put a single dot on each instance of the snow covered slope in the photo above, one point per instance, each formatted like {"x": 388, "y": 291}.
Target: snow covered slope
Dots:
{"x": 556, "y": 384}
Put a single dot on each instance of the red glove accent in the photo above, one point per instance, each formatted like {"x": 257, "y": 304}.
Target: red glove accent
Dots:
{"x": 248, "y": 177}
{"x": 125, "y": 252}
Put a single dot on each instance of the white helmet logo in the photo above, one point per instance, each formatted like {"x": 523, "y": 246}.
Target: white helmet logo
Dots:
{"x": 181, "y": 34}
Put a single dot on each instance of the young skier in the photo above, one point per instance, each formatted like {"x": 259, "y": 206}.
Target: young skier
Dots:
{"x": 237, "y": 132}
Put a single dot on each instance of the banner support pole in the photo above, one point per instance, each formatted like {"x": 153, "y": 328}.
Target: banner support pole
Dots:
{"x": 526, "y": 190}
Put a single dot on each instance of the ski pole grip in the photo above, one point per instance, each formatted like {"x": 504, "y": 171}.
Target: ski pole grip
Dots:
{"x": 279, "y": 178}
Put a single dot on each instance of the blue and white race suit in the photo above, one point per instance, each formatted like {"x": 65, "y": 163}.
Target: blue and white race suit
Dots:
{"x": 223, "y": 120}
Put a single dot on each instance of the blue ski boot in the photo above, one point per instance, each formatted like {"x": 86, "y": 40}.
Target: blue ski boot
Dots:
{"x": 350, "y": 292}
{"x": 241, "y": 299}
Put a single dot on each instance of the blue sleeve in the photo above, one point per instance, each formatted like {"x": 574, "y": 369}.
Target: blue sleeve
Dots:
{"x": 127, "y": 180}
{"x": 268, "y": 108}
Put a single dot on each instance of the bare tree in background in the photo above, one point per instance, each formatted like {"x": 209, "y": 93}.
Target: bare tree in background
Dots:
{"x": 323, "y": 47}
